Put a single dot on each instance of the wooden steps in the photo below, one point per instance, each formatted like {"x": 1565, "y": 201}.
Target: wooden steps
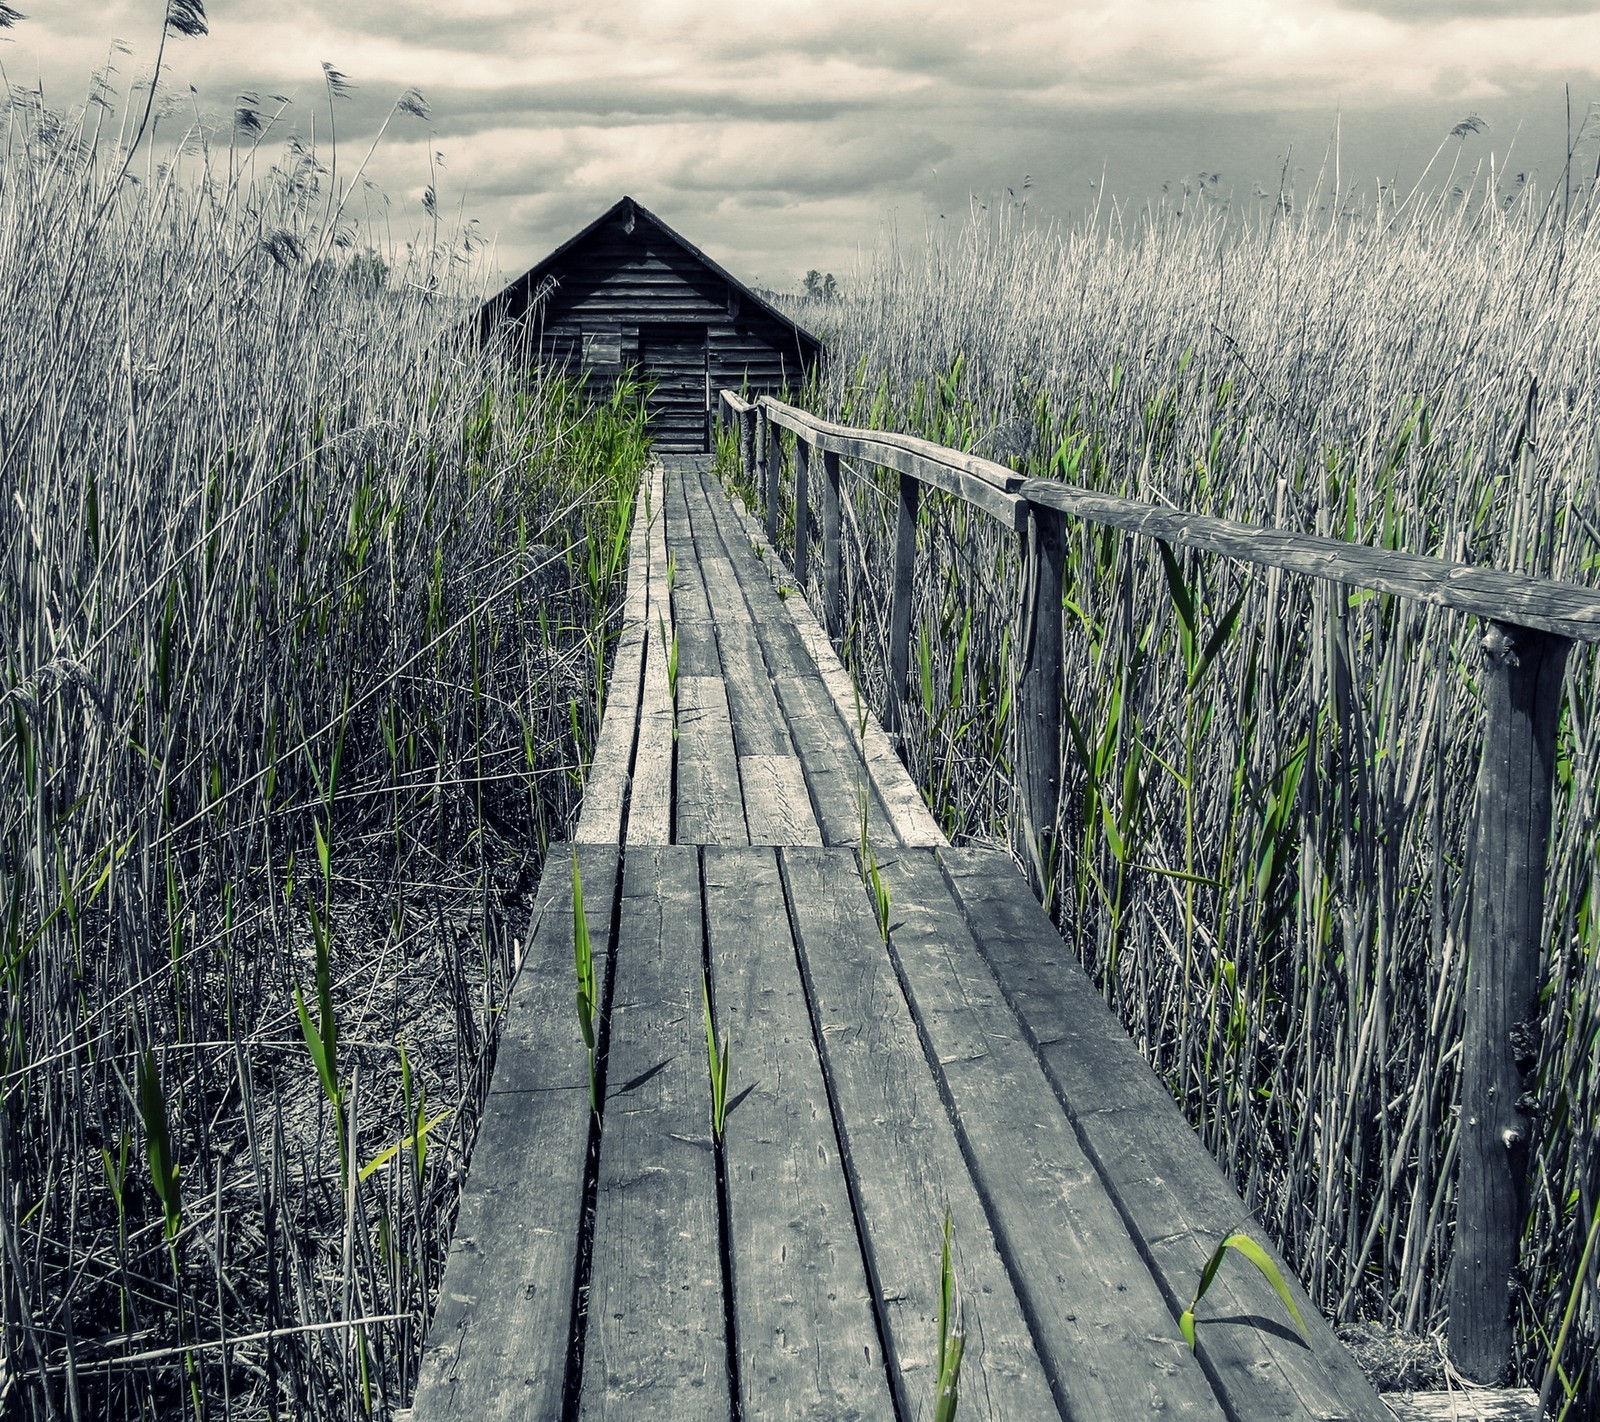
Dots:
{"x": 632, "y": 1265}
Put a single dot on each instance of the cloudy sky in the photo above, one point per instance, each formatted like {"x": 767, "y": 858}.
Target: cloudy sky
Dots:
{"x": 782, "y": 135}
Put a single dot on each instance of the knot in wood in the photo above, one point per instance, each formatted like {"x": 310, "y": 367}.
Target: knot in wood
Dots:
{"x": 1498, "y": 646}
{"x": 1524, "y": 1041}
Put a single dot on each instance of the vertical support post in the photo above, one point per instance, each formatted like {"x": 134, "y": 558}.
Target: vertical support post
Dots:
{"x": 1038, "y": 700}
{"x": 774, "y": 478}
{"x": 832, "y": 607}
{"x": 747, "y": 444}
{"x": 1522, "y": 675}
{"x": 905, "y": 562}
{"x": 802, "y": 510}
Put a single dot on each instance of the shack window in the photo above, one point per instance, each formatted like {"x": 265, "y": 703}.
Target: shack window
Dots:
{"x": 602, "y": 347}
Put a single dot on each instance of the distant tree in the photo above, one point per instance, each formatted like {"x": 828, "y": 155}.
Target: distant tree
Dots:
{"x": 820, "y": 287}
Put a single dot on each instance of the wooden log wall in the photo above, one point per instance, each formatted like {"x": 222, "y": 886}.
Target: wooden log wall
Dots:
{"x": 1532, "y": 624}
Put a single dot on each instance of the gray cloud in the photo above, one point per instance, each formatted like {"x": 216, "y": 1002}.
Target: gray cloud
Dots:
{"x": 1436, "y": 10}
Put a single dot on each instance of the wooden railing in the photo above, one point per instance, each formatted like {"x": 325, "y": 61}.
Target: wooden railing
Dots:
{"x": 1531, "y": 626}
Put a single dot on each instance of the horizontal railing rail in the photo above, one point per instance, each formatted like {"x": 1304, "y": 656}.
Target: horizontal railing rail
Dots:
{"x": 1532, "y": 626}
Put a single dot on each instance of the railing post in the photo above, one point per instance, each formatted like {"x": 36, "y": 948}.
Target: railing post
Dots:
{"x": 747, "y": 444}
{"x": 1522, "y": 675}
{"x": 802, "y": 510}
{"x": 832, "y": 610}
{"x": 774, "y": 479}
{"x": 1038, "y": 703}
{"x": 905, "y": 562}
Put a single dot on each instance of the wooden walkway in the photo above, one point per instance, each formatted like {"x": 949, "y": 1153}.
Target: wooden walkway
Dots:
{"x": 630, "y": 1265}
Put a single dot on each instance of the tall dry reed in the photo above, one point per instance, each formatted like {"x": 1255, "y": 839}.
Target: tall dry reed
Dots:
{"x": 305, "y": 599}
{"x": 1268, "y": 780}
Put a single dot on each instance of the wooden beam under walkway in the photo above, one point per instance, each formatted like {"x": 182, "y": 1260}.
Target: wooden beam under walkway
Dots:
{"x": 902, "y": 1046}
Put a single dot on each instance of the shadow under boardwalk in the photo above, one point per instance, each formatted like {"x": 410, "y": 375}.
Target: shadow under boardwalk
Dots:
{"x": 894, "y": 1057}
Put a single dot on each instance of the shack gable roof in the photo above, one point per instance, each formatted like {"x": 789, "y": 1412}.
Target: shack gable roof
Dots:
{"x": 529, "y": 283}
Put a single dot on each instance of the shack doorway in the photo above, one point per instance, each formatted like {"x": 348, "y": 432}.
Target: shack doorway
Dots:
{"x": 674, "y": 357}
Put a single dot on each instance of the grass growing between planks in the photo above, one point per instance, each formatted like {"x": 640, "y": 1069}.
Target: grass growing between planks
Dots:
{"x": 1268, "y": 781}
{"x": 307, "y": 602}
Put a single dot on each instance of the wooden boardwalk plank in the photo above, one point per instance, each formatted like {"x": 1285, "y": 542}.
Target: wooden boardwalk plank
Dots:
{"x": 777, "y": 805}
{"x": 807, "y": 1336}
{"x": 605, "y": 792}
{"x": 1174, "y": 1197}
{"x": 908, "y": 813}
{"x": 709, "y": 809}
{"x": 1098, "y": 1317}
{"x": 758, "y": 727}
{"x": 688, "y": 582}
{"x": 902, "y": 1158}
{"x": 656, "y": 1344}
{"x": 836, "y": 778}
{"x": 498, "y": 1344}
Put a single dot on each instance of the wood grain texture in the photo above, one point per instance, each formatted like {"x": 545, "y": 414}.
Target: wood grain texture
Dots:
{"x": 1175, "y": 1201}
{"x": 777, "y": 805}
{"x": 802, "y": 512}
{"x": 901, "y": 589}
{"x": 1099, "y": 1318}
{"x": 709, "y": 809}
{"x": 650, "y": 803}
{"x": 497, "y": 1346}
{"x": 895, "y": 794}
{"x": 650, "y": 797}
{"x": 1521, "y": 674}
{"x": 902, "y": 1157}
{"x": 606, "y": 788}
{"x": 807, "y": 1337}
{"x": 981, "y": 482}
{"x": 1563, "y": 608}
{"x": 832, "y": 582}
{"x": 1566, "y": 609}
{"x": 1476, "y": 1405}
{"x": 836, "y": 779}
{"x": 605, "y": 791}
{"x": 656, "y": 1344}
{"x": 1037, "y": 721}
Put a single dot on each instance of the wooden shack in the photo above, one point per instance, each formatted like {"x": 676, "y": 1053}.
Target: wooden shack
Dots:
{"x": 628, "y": 292}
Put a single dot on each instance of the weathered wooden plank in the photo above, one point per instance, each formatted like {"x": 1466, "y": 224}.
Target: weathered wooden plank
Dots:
{"x": 802, "y": 512}
{"x": 656, "y": 1343}
{"x": 894, "y": 789}
{"x": 1563, "y": 608}
{"x": 689, "y": 602}
{"x": 1099, "y": 1319}
{"x": 697, "y": 648}
{"x": 777, "y": 805}
{"x": 901, "y": 588}
{"x": 1566, "y": 609}
{"x": 981, "y": 482}
{"x": 902, "y": 1157}
{"x": 803, "y": 1313}
{"x": 832, "y": 583}
{"x": 605, "y": 791}
{"x": 650, "y": 805}
{"x": 1039, "y": 687}
{"x": 837, "y": 779}
{"x": 1174, "y": 1198}
{"x": 1522, "y": 674}
{"x": 758, "y": 727}
{"x": 1465, "y": 1405}
{"x": 709, "y": 810}
{"x": 497, "y": 1346}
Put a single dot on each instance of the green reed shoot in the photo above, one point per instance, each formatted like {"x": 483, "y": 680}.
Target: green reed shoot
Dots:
{"x": 871, "y": 875}
{"x": 1258, "y": 1256}
{"x": 718, "y": 1059}
{"x": 587, "y": 999}
{"x": 952, "y": 1332}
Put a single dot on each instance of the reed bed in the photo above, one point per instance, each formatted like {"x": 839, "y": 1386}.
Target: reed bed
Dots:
{"x": 306, "y": 598}
{"x": 1268, "y": 780}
